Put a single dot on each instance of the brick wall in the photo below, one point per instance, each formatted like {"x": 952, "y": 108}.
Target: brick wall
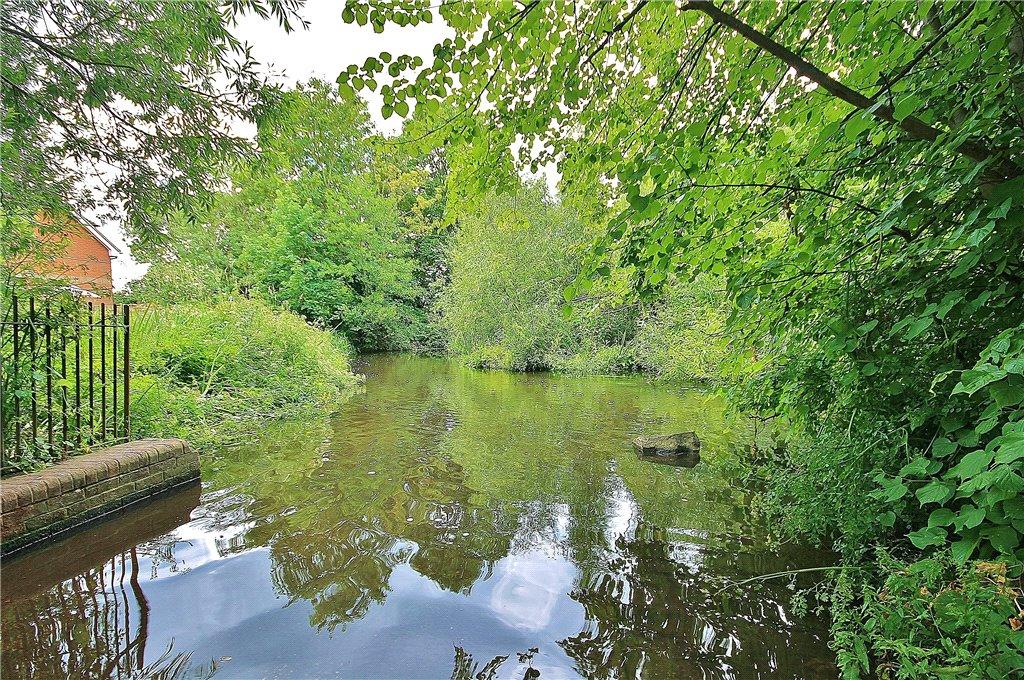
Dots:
{"x": 39, "y": 505}
{"x": 82, "y": 259}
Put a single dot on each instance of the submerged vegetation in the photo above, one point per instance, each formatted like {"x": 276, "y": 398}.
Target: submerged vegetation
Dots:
{"x": 817, "y": 207}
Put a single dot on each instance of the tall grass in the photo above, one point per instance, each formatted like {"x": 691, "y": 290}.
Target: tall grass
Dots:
{"x": 212, "y": 373}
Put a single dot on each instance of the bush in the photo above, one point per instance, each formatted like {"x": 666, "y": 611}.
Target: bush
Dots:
{"x": 602, "y": 361}
{"x": 209, "y": 374}
{"x": 681, "y": 337}
{"x": 931, "y": 618}
{"x": 511, "y": 261}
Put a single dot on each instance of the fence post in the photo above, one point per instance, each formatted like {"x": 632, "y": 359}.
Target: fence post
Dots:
{"x": 32, "y": 370}
{"x": 64, "y": 390}
{"x": 103, "y": 369}
{"x": 17, "y": 399}
{"x": 113, "y": 372}
{"x": 127, "y": 373}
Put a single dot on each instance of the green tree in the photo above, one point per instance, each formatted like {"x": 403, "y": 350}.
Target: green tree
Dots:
{"x": 512, "y": 256}
{"x": 308, "y": 225}
{"x": 137, "y": 98}
{"x": 854, "y": 172}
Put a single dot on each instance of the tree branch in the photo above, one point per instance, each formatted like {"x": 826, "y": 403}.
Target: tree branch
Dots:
{"x": 974, "y": 149}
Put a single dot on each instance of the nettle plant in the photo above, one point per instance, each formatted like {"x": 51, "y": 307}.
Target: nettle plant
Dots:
{"x": 970, "y": 476}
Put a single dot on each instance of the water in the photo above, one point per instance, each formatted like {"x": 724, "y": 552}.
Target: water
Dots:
{"x": 443, "y": 523}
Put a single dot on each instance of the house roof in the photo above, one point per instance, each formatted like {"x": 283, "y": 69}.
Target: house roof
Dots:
{"x": 98, "y": 235}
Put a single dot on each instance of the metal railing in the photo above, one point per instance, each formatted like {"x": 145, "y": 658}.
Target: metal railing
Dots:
{"x": 66, "y": 381}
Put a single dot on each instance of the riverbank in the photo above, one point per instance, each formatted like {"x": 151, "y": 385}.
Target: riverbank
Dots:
{"x": 509, "y": 506}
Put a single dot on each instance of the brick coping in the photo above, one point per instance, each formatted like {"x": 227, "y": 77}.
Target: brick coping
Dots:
{"x": 39, "y": 505}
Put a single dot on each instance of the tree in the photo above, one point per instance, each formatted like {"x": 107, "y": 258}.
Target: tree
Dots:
{"x": 123, "y": 108}
{"x": 305, "y": 224}
{"x": 853, "y": 171}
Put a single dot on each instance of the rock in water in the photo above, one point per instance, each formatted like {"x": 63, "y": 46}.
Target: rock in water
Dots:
{"x": 682, "y": 448}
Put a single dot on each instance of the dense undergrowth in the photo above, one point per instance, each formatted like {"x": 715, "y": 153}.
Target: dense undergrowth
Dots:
{"x": 211, "y": 374}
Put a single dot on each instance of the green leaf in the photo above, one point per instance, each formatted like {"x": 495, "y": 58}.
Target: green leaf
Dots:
{"x": 940, "y": 517}
{"x": 973, "y": 380}
{"x": 892, "y": 489}
{"x": 1008, "y": 392}
{"x": 858, "y": 124}
{"x": 970, "y": 516}
{"x": 929, "y": 536}
{"x": 1010, "y": 447}
{"x": 1004, "y": 538}
{"x": 963, "y": 549}
{"x": 867, "y": 327}
{"x": 915, "y": 468}
{"x": 906, "y": 106}
{"x": 943, "y": 447}
{"x": 934, "y": 492}
{"x": 918, "y": 327}
{"x": 647, "y": 185}
{"x": 972, "y": 464}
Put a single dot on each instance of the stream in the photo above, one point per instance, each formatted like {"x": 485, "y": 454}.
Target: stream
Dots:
{"x": 442, "y": 523}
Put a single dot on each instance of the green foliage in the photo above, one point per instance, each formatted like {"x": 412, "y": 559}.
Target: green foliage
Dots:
{"x": 308, "y": 225}
{"x": 853, "y": 172}
{"x": 934, "y": 618}
{"x": 682, "y": 336}
{"x": 134, "y": 93}
{"x": 211, "y": 373}
{"x": 511, "y": 259}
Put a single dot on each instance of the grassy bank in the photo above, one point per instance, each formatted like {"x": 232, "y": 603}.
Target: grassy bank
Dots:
{"x": 212, "y": 373}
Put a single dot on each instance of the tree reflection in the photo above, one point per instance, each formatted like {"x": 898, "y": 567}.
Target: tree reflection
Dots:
{"x": 653, "y": 611}
{"x": 95, "y": 621}
{"x": 449, "y": 472}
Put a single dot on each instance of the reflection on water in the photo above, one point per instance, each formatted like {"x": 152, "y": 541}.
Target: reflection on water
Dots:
{"x": 444, "y": 523}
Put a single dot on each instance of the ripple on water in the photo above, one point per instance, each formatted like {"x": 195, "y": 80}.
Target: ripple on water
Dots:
{"x": 443, "y": 523}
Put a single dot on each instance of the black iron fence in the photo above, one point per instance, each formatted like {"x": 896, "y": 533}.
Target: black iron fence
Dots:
{"x": 66, "y": 382}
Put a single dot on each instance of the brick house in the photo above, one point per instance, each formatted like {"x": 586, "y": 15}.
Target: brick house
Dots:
{"x": 83, "y": 257}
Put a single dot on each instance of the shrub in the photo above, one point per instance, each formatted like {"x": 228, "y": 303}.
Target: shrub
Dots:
{"x": 932, "y": 618}
{"x": 210, "y": 373}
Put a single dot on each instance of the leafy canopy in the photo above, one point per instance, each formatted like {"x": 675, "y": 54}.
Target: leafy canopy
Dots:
{"x": 306, "y": 224}
{"x": 123, "y": 108}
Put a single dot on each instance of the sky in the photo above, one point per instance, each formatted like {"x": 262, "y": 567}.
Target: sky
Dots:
{"x": 323, "y": 50}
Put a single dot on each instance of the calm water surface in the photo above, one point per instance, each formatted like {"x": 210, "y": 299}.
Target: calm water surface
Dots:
{"x": 443, "y": 523}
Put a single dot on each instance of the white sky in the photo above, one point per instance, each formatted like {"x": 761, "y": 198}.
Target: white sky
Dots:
{"x": 326, "y": 48}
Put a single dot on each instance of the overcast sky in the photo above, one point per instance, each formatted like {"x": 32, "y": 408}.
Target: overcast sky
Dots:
{"x": 323, "y": 50}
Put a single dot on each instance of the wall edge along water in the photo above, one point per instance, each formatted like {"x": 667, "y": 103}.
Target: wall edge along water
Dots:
{"x": 38, "y": 506}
